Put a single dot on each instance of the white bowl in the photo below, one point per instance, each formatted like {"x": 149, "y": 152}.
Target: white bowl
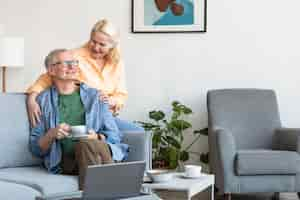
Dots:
{"x": 159, "y": 175}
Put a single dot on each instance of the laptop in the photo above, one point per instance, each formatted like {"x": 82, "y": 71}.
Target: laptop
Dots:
{"x": 114, "y": 181}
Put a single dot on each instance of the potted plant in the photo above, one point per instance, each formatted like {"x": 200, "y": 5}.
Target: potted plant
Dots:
{"x": 168, "y": 135}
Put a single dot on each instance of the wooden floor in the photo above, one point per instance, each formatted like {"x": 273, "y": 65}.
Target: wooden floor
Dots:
{"x": 206, "y": 196}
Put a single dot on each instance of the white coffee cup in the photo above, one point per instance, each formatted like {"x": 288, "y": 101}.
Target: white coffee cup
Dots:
{"x": 78, "y": 131}
{"x": 192, "y": 171}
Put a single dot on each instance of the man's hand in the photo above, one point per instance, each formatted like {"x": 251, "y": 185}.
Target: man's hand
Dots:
{"x": 94, "y": 136}
{"x": 33, "y": 109}
{"x": 61, "y": 131}
{"x": 101, "y": 137}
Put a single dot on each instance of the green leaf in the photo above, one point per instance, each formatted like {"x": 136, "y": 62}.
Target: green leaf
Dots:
{"x": 176, "y": 132}
{"x": 177, "y": 110}
{"x": 181, "y": 124}
{"x": 184, "y": 155}
{"x": 164, "y": 141}
{"x": 156, "y": 140}
{"x": 156, "y": 115}
{"x": 175, "y": 103}
{"x": 187, "y": 110}
{"x": 148, "y": 126}
{"x": 157, "y": 131}
{"x": 173, "y": 142}
{"x": 180, "y": 108}
{"x": 203, "y": 131}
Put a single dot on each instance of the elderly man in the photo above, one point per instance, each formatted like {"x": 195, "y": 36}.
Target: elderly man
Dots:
{"x": 69, "y": 103}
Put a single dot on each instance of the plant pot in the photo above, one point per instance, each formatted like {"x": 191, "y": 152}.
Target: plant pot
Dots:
{"x": 160, "y": 164}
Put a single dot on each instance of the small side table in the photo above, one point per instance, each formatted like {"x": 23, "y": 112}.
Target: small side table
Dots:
{"x": 191, "y": 186}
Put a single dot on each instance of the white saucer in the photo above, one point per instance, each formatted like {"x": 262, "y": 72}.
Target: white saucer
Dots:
{"x": 192, "y": 177}
{"x": 79, "y": 136}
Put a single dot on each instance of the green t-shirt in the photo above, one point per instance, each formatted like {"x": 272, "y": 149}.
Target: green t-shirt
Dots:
{"x": 71, "y": 111}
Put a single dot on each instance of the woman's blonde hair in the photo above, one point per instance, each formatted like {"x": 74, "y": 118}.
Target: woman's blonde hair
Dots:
{"x": 104, "y": 26}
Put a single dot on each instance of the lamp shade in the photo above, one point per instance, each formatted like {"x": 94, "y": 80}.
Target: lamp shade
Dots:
{"x": 12, "y": 51}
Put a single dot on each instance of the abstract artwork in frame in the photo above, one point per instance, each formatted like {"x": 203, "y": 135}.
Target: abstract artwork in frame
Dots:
{"x": 168, "y": 16}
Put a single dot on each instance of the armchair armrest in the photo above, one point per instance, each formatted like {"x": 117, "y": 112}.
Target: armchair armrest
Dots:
{"x": 140, "y": 146}
{"x": 287, "y": 139}
{"x": 226, "y": 149}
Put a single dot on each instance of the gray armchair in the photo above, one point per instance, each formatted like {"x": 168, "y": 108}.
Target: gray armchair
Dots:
{"x": 249, "y": 149}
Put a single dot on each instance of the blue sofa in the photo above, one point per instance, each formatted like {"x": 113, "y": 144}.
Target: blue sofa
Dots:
{"x": 22, "y": 176}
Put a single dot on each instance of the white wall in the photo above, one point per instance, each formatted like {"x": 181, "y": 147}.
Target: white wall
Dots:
{"x": 253, "y": 44}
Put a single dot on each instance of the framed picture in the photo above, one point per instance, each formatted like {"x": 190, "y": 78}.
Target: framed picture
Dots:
{"x": 168, "y": 16}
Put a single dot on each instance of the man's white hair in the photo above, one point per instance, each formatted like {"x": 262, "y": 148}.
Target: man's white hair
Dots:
{"x": 52, "y": 55}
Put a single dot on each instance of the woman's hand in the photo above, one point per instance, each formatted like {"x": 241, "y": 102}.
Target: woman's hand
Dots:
{"x": 112, "y": 103}
{"x": 104, "y": 97}
{"x": 110, "y": 100}
{"x": 33, "y": 109}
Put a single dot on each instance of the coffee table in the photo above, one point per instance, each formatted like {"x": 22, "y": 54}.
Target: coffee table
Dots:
{"x": 191, "y": 186}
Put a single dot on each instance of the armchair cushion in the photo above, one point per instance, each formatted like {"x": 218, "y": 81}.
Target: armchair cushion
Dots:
{"x": 267, "y": 162}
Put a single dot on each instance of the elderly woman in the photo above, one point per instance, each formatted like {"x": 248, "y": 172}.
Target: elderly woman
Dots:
{"x": 100, "y": 66}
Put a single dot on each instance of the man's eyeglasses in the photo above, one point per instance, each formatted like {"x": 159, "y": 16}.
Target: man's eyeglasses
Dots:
{"x": 67, "y": 63}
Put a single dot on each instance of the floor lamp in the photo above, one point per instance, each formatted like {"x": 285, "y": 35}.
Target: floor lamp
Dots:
{"x": 11, "y": 55}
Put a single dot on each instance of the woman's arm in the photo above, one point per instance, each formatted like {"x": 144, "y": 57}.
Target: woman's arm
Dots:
{"x": 116, "y": 101}
{"x": 119, "y": 96}
{"x": 33, "y": 109}
{"x": 43, "y": 82}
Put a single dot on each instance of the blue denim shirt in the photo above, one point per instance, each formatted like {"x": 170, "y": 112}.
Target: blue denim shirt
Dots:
{"x": 97, "y": 116}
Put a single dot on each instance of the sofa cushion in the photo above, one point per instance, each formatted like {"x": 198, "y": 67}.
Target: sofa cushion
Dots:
{"x": 13, "y": 191}
{"x": 39, "y": 179}
{"x": 14, "y": 132}
{"x": 254, "y": 162}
